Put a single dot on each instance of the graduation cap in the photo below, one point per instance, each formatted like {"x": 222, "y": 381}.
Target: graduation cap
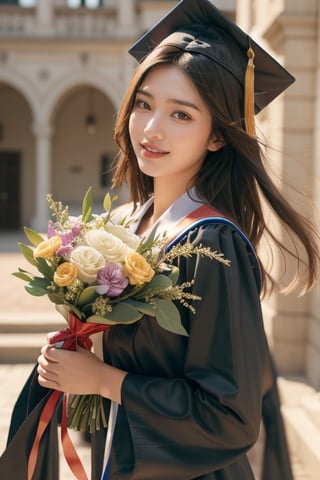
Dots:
{"x": 198, "y": 26}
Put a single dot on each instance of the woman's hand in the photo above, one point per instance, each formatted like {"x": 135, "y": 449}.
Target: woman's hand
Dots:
{"x": 69, "y": 371}
{"x": 78, "y": 372}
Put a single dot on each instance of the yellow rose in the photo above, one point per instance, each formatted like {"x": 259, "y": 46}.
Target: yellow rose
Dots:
{"x": 65, "y": 274}
{"x": 137, "y": 269}
{"x": 47, "y": 248}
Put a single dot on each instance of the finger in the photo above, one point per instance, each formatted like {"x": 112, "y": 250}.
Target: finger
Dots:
{"x": 49, "y": 352}
{"x": 49, "y": 375}
{"x": 44, "y": 382}
{"x": 46, "y": 378}
{"x": 47, "y": 366}
{"x": 42, "y": 361}
{"x": 81, "y": 349}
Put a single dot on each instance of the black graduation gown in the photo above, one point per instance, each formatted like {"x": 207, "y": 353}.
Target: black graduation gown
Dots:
{"x": 191, "y": 406}
{"x": 23, "y": 427}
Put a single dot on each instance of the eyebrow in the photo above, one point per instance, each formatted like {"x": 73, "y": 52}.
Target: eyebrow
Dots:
{"x": 177, "y": 101}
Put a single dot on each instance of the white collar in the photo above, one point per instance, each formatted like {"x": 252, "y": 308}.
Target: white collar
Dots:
{"x": 185, "y": 204}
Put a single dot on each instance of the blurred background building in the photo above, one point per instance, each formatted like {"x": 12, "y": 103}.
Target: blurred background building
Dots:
{"x": 64, "y": 67}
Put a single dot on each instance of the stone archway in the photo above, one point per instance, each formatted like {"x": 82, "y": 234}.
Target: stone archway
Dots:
{"x": 17, "y": 165}
{"x": 48, "y": 177}
{"x": 83, "y": 149}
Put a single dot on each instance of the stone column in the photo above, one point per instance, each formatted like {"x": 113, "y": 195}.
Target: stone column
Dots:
{"x": 126, "y": 16}
{"x": 43, "y": 135}
{"x": 244, "y": 14}
{"x": 44, "y": 15}
{"x": 294, "y": 36}
{"x": 313, "y": 346}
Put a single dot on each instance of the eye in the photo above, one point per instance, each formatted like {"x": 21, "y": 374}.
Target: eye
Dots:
{"x": 141, "y": 104}
{"x": 181, "y": 116}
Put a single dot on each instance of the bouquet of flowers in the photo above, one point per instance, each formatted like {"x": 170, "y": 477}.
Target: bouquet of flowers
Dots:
{"x": 98, "y": 274}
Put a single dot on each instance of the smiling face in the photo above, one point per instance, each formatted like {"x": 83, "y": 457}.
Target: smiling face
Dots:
{"x": 170, "y": 126}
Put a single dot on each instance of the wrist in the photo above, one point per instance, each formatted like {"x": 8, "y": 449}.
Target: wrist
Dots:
{"x": 110, "y": 384}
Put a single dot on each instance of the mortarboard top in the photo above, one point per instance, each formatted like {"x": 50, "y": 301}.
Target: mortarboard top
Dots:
{"x": 198, "y": 26}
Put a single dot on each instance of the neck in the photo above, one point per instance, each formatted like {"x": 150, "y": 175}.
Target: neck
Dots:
{"x": 165, "y": 194}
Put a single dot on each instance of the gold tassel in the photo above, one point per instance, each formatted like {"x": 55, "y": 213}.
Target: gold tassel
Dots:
{"x": 249, "y": 111}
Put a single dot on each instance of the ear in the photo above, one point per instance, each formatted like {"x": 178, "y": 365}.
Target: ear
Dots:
{"x": 215, "y": 144}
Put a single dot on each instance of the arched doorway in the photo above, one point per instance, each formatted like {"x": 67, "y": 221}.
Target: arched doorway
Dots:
{"x": 83, "y": 149}
{"x": 16, "y": 159}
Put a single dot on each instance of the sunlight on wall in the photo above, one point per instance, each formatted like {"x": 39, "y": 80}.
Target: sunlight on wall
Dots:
{"x": 27, "y": 3}
{"x": 70, "y": 3}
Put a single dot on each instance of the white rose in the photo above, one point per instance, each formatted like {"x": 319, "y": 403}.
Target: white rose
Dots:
{"x": 88, "y": 261}
{"x": 129, "y": 238}
{"x": 112, "y": 248}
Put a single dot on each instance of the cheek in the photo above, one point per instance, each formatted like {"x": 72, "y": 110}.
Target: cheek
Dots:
{"x": 134, "y": 126}
{"x": 195, "y": 141}
{"x": 131, "y": 125}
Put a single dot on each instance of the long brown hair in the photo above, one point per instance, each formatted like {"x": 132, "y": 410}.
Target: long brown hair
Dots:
{"x": 233, "y": 179}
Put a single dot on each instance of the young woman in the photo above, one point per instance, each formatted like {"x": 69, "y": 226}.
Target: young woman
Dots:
{"x": 190, "y": 407}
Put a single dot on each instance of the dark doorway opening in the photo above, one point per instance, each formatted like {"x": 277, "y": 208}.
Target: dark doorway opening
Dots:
{"x": 10, "y": 165}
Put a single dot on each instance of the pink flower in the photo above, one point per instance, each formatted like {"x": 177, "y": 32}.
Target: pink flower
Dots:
{"x": 111, "y": 280}
{"x": 65, "y": 250}
{"x": 51, "y": 229}
{"x": 67, "y": 238}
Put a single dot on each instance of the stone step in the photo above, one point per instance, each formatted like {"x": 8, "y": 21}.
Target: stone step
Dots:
{"x": 21, "y": 337}
{"x": 304, "y": 439}
{"x": 20, "y": 348}
{"x": 301, "y": 408}
{"x": 37, "y": 322}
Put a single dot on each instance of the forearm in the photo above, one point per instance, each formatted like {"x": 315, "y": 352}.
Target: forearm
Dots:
{"x": 111, "y": 378}
{"x": 110, "y": 382}
{"x": 79, "y": 373}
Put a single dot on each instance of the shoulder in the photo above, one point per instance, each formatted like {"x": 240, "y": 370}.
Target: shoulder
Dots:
{"x": 211, "y": 230}
{"x": 225, "y": 237}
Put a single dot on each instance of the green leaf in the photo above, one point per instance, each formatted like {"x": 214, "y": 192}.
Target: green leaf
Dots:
{"x": 56, "y": 298}
{"x": 124, "y": 313}
{"x": 174, "y": 274}
{"x": 143, "y": 307}
{"x": 107, "y": 203}
{"x": 76, "y": 311}
{"x": 27, "y": 252}
{"x": 168, "y": 316}
{"x": 88, "y": 295}
{"x": 148, "y": 242}
{"x": 35, "y": 290}
{"x": 99, "y": 319}
{"x": 87, "y": 206}
{"x": 37, "y": 286}
{"x": 40, "y": 282}
{"x": 23, "y": 275}
{"x": 159, "y": 283}
{"x": 134, "y": 292}
{"x": 34, "y": 237}
{"x": 121, "y": 313}
{"x": 86, "y": 309}
{"x": 44, "y": 268}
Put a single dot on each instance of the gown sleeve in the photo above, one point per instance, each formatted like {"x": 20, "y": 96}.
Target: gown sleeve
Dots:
{"x": 24, "y": 422}
{"x": 206, "y": 418}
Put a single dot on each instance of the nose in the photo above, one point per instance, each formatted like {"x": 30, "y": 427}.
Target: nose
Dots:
{"x": 154, "y": 127}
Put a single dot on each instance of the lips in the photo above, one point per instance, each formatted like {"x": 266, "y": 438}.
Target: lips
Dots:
{"x": 152, "y": 149}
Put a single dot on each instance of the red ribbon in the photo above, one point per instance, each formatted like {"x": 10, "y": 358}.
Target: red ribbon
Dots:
{"x": 44, "y": 420}
{"x": 77, "y": 333}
